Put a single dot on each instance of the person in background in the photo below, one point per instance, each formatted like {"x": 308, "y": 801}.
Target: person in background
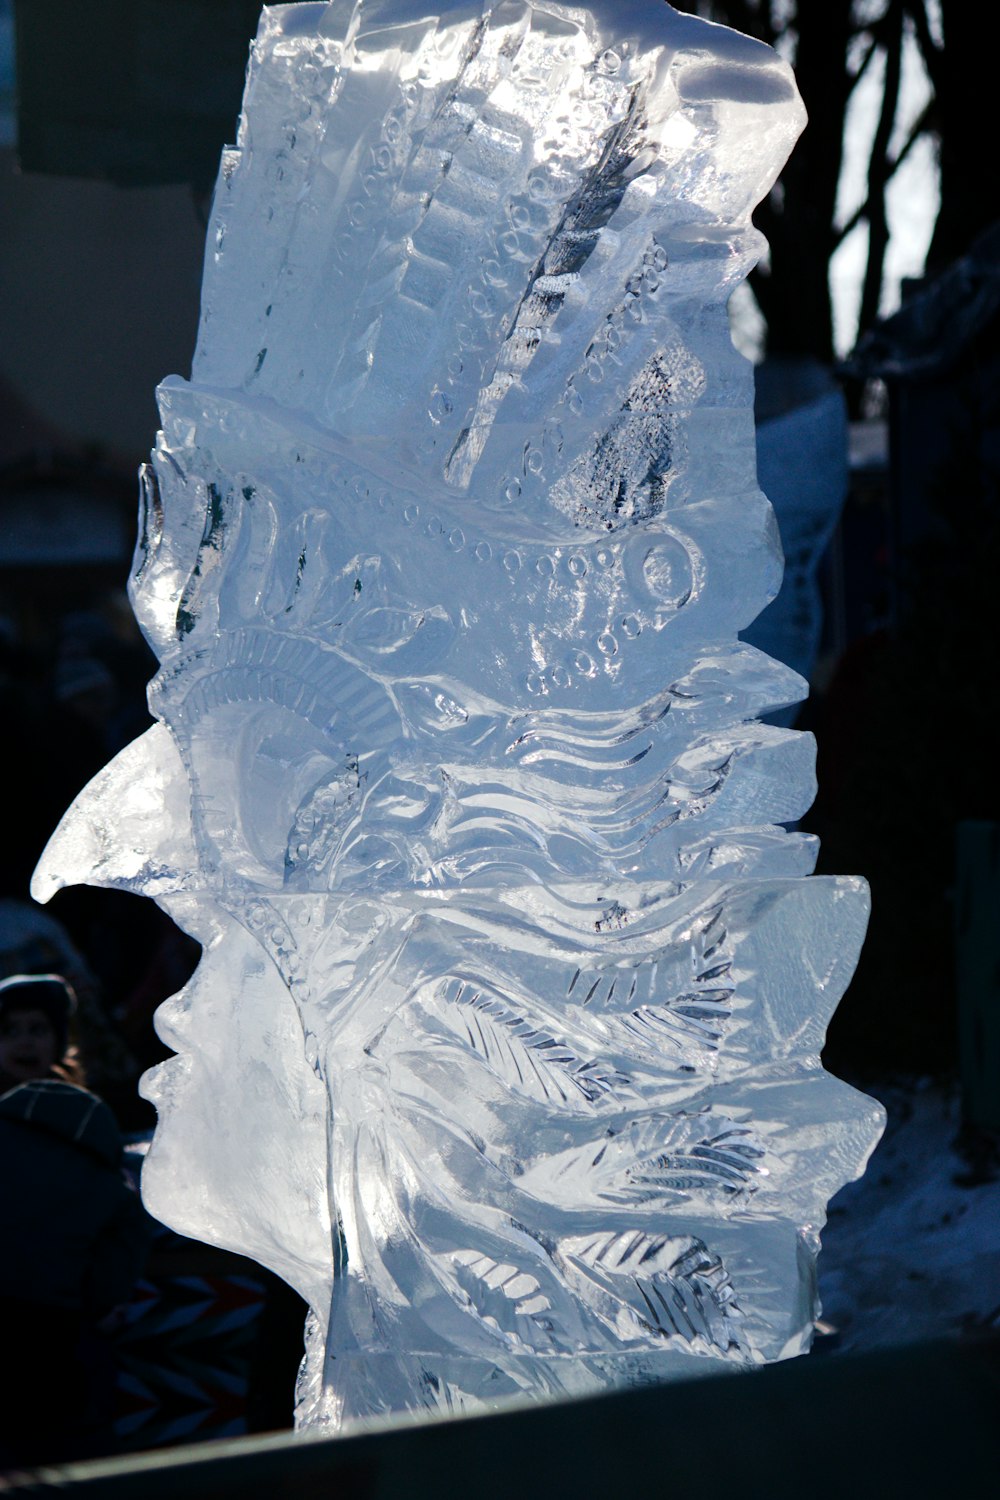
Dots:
{"x": 35, "y": 1014}
{"x": 73, "y": 1234}
{"x": 34, "y": 945}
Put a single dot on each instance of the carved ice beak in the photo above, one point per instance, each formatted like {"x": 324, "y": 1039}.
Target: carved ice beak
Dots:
{"x": 130, "y": 827}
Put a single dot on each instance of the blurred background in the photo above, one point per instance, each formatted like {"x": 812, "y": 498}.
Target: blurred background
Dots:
{"x": 873, "y": 325}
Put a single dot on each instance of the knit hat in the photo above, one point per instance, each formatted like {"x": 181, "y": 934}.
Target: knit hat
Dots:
{"x": 49, "y": 993}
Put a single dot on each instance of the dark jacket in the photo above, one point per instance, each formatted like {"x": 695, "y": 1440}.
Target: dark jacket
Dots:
{"x": 73, "y": 1232}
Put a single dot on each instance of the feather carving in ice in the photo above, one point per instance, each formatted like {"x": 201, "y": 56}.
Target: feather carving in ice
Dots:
{"x": 670, "y": 1287}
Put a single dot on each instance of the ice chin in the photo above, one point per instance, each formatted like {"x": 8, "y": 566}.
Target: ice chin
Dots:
{"x": 239, "y": 1156}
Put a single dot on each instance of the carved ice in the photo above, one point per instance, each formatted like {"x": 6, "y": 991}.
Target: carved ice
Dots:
{"x": 513, "y": 984}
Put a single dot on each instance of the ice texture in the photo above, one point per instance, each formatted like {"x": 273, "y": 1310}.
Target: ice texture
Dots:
{"x": 503, "y": 1048}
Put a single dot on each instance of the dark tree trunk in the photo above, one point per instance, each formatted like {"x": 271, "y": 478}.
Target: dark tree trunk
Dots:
{"x": 966, "y": 77}
{"x": 878, "y": 167}
{"x": 798, "y": 221}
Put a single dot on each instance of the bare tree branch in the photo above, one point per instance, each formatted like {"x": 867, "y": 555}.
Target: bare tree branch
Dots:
{"x": 929, "y": 49}
{"x": 878, "y": 164}
{"x": 919, "y": 128}
{"x": 863, "y": 69}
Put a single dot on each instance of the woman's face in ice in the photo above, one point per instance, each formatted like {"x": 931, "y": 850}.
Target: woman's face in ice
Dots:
{"x": 239, "y": 1154}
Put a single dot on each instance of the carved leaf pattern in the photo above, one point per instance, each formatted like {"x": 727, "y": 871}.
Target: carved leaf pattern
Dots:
{"x": 680, "y": 1000}
{"x": 527, "y": 1057}
{"x": 506, "y": 1298}
{"x": 671, "y": 1285}
{"x": 664, "y": 1159}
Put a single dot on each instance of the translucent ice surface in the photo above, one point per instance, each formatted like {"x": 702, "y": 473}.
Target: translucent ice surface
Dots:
{"x": 504, "y": 1045}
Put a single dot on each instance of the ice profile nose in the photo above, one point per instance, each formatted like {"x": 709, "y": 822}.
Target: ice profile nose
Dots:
{"x": 130, "y": 827}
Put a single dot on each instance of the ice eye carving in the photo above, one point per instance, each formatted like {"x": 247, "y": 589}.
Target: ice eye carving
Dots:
{"x": 504, "y": 1048}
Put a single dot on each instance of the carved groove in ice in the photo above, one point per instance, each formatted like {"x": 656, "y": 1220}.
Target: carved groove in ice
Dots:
{"x": 513, "y": 985}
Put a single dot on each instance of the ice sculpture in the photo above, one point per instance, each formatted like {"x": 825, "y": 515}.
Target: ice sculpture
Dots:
{"x": 504, "y": 1044}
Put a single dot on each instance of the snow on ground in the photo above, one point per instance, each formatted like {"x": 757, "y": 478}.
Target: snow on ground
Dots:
{"x": 912, "y": 1251}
